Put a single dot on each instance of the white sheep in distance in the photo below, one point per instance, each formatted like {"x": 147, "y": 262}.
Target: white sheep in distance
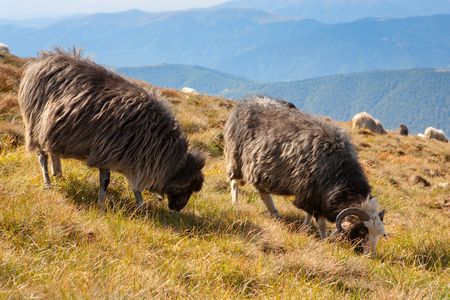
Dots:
{"x": 284, "y": 151}
{"x": 4, "y": 48}
{"x": 433, "y": 133}
{"x": 75, "y": 108}
{"x": 188, "y": 90}
{"x": 365, "y": 121}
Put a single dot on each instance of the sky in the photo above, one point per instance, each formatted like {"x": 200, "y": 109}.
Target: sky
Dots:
{"x": 26, "y": 9}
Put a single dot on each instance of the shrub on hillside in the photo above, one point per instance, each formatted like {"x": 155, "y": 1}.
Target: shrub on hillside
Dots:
{"x": 9, "y": 78}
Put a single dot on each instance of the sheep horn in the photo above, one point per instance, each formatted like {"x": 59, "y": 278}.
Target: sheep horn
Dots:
{"x": 362, "y": 215}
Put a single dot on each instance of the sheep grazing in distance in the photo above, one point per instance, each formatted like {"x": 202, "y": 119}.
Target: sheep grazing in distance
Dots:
{"x": 4, "y": 48}
{"x": 433, "y": 133}
{"x": 403, "y": 130}
{"x": 188, "y": 90}
{"x": 365, "y": 121}
{"x": 75, "y": 108}
{"x": 285, "y": 151}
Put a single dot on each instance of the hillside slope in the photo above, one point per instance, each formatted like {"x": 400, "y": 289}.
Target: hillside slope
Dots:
{"x": 418, "y": 98}
{"x": 206, "y": 81}
{"x": 56, "y": 243}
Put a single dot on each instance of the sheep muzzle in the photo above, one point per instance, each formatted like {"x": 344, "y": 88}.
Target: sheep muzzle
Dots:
{"x": 178, "y": 202}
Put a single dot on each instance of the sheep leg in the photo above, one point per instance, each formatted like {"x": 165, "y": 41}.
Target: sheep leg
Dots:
{"x": 56, "y": 165}
{"x": 322, "y": 225}
{"x": 270, "y": 205}
{"x": 140, "y": 201}
{"x": 43, "y": 161}
{"x": 235, "y": 183}
{"x": 105, "y": 176}
{"x": 307, "y": 223}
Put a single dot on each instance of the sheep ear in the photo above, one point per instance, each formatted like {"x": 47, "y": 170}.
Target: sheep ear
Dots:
{"x": 195, "y": 161}
{"x": 381, "y": 214}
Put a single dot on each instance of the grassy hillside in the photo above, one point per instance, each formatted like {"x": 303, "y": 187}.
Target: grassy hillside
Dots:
{"x": 417, "y": 97}
{"x": 55, "y": 243}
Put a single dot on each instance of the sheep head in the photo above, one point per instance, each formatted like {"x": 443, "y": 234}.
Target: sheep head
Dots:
{"x": 362, "y": 226}
{"x": 188, "y": 180}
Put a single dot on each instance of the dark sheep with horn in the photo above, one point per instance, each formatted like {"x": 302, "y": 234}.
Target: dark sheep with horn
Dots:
{"x": 75, "y": 108}
{"x": 285, "y": 151}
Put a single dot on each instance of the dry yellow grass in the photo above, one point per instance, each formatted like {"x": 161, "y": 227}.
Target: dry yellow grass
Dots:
{"x": 55, "y": 243}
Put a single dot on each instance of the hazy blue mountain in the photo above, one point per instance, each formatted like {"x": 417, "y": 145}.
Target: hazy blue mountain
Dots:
{"x": 359, "y": 46}
{"x": 418, "y": 97}
{"x": 136, "y": 37}
{"x": 246, "y": 42}
{"x": 36, "y": 22}
{"x": 346, "y": 10}
{"x": 204, "y": 80}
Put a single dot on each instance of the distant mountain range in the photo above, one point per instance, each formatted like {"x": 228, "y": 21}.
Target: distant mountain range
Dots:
{"x": 37, "y": 22}
{"x": 338, "y": 11}
{"x": 247, "y": 42}
{"x": 418, "y": 98}
{"x": 250, "y": 43}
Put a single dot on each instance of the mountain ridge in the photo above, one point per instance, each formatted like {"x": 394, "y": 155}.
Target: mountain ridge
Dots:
{"x": 247, "y": 42}
{"x": 346, "y": 11}
{"x": 417, "y": 97}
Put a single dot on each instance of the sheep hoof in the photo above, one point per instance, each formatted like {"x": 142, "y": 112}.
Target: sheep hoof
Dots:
{"x": 276, "y": 215}
{"x": 102, "y": 206}
{"x": 142, "y": 209}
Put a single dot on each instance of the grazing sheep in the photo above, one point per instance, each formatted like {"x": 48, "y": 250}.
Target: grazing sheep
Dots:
{"x": 4, "y": 48}
{"x": 433, "y": 133}
{"x": 403, "y": 130}
{"x": 365, "y": 121}
{"x": 188, "y": 90}
{"x": 285, "y": 151}
{"x": 74, "y": 108}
